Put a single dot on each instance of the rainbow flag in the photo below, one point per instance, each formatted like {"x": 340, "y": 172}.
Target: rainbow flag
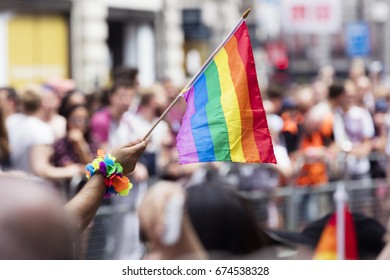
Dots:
{"x": 327, "y": 245}
{"x": 225, "y": 118}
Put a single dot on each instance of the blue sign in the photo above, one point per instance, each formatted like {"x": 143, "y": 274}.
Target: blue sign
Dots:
{"x": 358, "y": 39}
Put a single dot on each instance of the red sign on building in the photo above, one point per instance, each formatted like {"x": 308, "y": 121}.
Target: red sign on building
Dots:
{"x": 309, "y": 16}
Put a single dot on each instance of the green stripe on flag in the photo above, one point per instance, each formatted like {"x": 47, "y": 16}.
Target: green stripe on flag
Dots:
{"x": 215, "y": 115}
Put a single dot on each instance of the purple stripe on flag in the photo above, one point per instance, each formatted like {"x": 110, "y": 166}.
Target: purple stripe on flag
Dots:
{"x": 185, "y": 141}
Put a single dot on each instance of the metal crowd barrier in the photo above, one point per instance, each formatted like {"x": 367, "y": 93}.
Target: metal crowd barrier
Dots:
{"x": 298, "y": 206}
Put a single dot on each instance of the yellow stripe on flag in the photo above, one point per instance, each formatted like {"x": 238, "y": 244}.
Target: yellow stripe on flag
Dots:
{"x": 230, "y": 106}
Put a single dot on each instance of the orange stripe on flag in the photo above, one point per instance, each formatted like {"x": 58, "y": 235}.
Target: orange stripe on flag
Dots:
{"x": 238, "y": 74}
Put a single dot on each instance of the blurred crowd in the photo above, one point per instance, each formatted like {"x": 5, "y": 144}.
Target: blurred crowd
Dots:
{"x": 329, "y": 129}
{"x": 52, "y": 130}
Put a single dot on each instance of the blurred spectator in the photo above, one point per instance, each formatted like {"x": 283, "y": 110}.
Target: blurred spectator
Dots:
{"x": 34, "y": 224}
{"x": 8, "y": 101}
{"x": 320, "y": 89}
{"x": 31, "y": 139}
{"x": 155, "y": 156}
{"x": 364, "y": 93}
{"x": 160, "y": 96}
{"x": 122, "y": 74}
{"x": 4, "y": 146}
{"x": 49, "y": 112}
{"x": 313, "y": 152}
{"x": 312, "y": 139}
{"x": 60, "y": 86}
{"x": 165, "y": 224}
{"x": 127, "y": 75}
{"x": 356, "y": 70}
{"x": 294, "y": 110}
{"x": 174, "y": 116}
{"x": 71, "y": 99}
{"x": 284, "y": 165}
{"x": 275, "y": 96}
{"x": 284, "y": 168}
{"x": 353, "y": 129}
{"x": 97, "y": 99}
{"x": 76, "y": 146}
{"x": 375, "y": 73}
{"x": 292, "y": 122}
{"x": 326, "y": 74}
{"x": 108, "y": 128}
{"x": 380, "y": 116}
{"x": 164, "y": 94}
{"x": 223, "y": 221}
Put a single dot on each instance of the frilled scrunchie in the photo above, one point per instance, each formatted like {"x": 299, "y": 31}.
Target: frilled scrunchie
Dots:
{"x": 116, "y": 182}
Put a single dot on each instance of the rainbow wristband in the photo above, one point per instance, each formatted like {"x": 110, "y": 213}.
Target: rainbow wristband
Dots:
{"x": 116, "y": 182}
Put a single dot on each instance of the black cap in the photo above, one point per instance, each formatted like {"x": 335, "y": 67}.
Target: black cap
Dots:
{"x": 369, "y": 234}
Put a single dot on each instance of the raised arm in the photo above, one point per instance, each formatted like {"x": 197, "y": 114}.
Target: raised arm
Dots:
{"x": 82, "y": 208}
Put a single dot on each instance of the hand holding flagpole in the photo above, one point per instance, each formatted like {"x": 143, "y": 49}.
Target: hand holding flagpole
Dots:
{"x": 196, "y": 76}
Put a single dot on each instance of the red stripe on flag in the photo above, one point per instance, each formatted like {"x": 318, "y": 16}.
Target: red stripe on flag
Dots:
{"x": 262, "y": 136}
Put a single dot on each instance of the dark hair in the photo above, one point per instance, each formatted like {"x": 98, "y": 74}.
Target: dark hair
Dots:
{"x": 69, "y": 111}
{"x": 223, "y": 221}
{"x": 107, "y": 93}
{"x": 336, "y": 89}
{"x": 64, "y": 107}
{"x": 274, "y": 92}
{"x": 72, "y": 108}
{"x": 123, "y": 73}
{"x": 146, "y": 99}
{"x": 11, "y": 93}
{"x": 4, "y": 145}
{"x": 31, "y": 98}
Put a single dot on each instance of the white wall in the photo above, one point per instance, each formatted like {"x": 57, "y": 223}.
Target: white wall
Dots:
{"x": 148, "y": 5}
{"x": 90, "y": 56}
{"x": 140, "y": 51}
{"x": 130, "y": 46}
{"x": 146, "y": 55}
{"x": 173, "y": 42}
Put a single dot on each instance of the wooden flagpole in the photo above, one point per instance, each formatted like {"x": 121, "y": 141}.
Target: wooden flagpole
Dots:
{"x": 197, "y": 75}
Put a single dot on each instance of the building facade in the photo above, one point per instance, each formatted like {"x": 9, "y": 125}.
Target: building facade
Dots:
{"x": 84, "y": 39}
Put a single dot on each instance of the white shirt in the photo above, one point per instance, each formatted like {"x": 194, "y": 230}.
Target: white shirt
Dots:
{"x": 388, "y": 134}
{"x": 58, "y": 126}
{"x": 354, "y": 126}
{"x": 141, "y": 126}
{"x": 282, "y": 158}
{"x": 24, "y": 132}
{"x": 120, "y": 133}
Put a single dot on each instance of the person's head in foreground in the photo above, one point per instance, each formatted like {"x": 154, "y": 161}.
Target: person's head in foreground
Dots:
{"x": 369, "y": 237}
{"x": 33, "y": 224}
{"x": 165, "y": 226}
{"x": 224, "y": 222}
{"x": 205, "y": 218}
